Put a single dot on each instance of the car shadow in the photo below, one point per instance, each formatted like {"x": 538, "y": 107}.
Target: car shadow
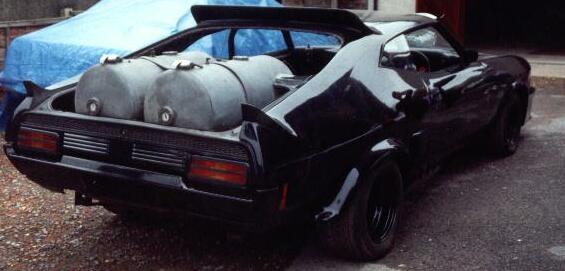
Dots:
{"x": 136, "y": 243}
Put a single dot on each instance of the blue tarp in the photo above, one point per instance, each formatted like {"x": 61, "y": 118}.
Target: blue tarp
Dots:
{"x": 117, "y": 27}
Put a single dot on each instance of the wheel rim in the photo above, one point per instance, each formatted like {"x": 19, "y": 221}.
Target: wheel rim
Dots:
{"x": 382, "y": 212}
{"x": 382, "y": 223}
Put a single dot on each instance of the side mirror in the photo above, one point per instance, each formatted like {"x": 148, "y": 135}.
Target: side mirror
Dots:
{"x": 470, "y": 55}
{"x": 414, "y": 103}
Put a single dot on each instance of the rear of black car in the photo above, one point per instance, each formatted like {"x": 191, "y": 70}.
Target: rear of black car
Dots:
{"x": 210, "y": 170}
{"x": 126, "y": 163}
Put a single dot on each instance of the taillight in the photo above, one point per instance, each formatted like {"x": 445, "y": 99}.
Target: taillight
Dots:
{"x": 284, "y": 195}
{"x": 40, "y": 141}
{"x": 218, "y": 170}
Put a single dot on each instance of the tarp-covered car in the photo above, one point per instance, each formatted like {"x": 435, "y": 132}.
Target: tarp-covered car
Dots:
{"x": 333, "y": 133}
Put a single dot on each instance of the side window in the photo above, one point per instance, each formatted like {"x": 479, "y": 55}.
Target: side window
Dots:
{"x": 397, "y": 55}
{"x": 430, "y": 38}
{"x": 251, "y": 42}
{"x": 424, "y": 50}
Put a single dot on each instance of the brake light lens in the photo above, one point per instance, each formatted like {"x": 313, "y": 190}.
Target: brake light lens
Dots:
{"x": 284, "y": 195}
{"x": 222, "y": 171}
{"x": 41, "y": 141}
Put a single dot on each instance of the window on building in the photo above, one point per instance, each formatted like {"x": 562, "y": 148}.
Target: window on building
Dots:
{"x": 308, "y": 3}
{"x": 318, "y": 3}
{"x": 343, "y": 4}
{"x": 352, "y": 4}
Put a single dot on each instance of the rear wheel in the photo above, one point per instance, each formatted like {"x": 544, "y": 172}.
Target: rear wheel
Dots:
{"x": 504, "y": 134}
{"x": 366, "y": 227}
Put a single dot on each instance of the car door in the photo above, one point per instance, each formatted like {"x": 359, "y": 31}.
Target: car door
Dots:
{"x": 428, "y": 130}
{"x": 456, "y": 89}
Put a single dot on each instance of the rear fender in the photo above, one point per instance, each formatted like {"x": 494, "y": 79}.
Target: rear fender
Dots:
{"x": 385, "y": 150}
{"x": 272, "y": 143}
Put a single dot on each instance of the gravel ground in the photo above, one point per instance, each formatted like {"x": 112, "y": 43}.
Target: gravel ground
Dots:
{"x": 41, "y": 230}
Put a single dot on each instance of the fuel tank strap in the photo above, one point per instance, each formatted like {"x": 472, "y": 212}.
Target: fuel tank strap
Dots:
{"x": 237, "y": 77}
{"x": 160, "y": 65}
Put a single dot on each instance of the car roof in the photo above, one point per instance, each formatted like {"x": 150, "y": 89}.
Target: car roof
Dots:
{"x": 351, "y": 24}
{"x": 377, "y": 16}
{"x": 392, "y": 24}
{"x": 355, "y": 20}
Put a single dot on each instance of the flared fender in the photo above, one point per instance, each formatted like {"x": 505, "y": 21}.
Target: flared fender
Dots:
{"x": 386, "y": 149}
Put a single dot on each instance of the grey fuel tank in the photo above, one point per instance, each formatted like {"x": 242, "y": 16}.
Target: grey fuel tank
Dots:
{"x": 209, "y": 98}
{"x": 116, "y": 87}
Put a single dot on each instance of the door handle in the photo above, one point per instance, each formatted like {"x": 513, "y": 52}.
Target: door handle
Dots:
{"x": 415, "y": 103}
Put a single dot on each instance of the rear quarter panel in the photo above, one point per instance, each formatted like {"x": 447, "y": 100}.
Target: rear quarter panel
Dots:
{"x": 338, "y": 116}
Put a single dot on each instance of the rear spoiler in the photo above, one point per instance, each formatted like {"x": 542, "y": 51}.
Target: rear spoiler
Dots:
{"x": 329, "y": 18}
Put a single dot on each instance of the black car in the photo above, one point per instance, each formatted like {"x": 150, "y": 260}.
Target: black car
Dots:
{"x": 337, "y": 137}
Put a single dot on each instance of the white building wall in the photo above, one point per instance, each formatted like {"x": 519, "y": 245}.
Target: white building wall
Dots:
{"x": 397, "y": 6}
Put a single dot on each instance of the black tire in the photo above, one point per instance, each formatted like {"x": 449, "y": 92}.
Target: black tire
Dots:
{"x": 366, "y": 227}
{"x": 503, "y": 136}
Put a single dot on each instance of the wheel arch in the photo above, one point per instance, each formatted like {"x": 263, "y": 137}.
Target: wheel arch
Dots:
{"x": 386, "y": 150}
{"x": 523, "y": 91}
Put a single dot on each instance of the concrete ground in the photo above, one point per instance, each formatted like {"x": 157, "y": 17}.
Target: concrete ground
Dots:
{"x": 545, "y": 63}
{"x": 478, "y": 213}
{"x": 484, "y": 214}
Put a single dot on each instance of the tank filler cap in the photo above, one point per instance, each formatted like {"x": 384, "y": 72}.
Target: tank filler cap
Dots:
{"x": 184, "y": 65}
{"x": 241, "y": 58}
{"x": 110, "y": 59}
{"x": 93, "y": 106}
{"x": 166, "y": 115}
{"x": 170, "y": 53}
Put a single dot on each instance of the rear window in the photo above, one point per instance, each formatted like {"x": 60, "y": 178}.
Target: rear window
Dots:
{"x": 306, "y": 39}
{"x": 251, "y": 42}
{"x": 215, "y": 44}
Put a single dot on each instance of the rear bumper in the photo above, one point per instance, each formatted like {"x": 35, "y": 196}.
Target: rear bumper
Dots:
{"x": 151, "y": 190}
